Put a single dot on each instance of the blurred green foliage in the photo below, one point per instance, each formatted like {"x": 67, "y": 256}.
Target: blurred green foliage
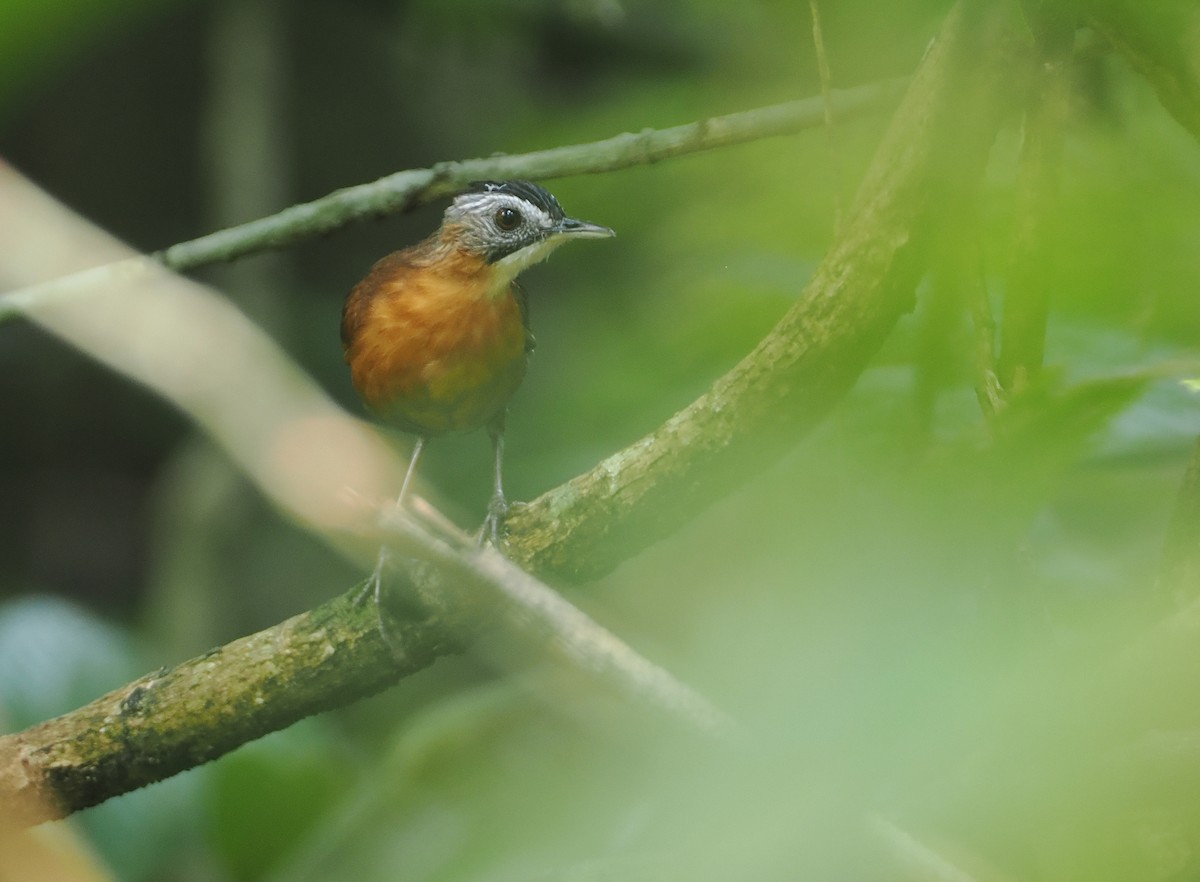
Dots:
{"x": 36, "y": 36}
{"x": 923, "y": 617}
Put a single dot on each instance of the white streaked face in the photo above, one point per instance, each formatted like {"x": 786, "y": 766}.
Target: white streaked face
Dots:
{"x": 514, "y": 225}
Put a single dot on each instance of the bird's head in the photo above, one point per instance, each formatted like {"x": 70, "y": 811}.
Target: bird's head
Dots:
{"x": 513, "y": 224}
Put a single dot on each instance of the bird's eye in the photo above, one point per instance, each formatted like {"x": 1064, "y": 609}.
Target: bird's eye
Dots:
{"x": 508, "y": 219}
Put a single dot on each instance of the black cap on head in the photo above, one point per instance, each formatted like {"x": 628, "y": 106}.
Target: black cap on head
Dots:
{"x": 527, "y": 190}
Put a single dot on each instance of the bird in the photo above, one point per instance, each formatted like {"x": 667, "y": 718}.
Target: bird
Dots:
{"x": 437, "y": 335}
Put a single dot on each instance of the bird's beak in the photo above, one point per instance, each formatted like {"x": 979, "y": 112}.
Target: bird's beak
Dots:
{"x": 578, "y": 229}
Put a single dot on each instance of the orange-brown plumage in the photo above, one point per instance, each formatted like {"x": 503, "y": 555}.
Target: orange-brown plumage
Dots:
{"x": 436, "y": 335}
{"x": 432, "y": 345}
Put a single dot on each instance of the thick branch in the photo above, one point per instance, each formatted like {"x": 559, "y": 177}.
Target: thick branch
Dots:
{"x": 756, "y": 412}
{"x": 175, "y": 719}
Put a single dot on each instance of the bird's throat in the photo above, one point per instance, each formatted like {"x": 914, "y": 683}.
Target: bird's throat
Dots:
{"x": 510, "y": 266}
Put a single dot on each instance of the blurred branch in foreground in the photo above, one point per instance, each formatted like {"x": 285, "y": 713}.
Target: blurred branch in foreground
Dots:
{"x": 176, "y": 719}
{"x": 321, "y": 468}
{"x": 306, "y": 454}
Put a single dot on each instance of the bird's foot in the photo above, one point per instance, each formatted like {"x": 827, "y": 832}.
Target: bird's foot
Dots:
{"x": 492, "y": 531}
{"x": 371, "y": 591}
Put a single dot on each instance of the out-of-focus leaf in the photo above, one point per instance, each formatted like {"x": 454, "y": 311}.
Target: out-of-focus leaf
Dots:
{"x": 55, "y": 656}
{"x": 496, "y": 784}
{"x": 267, "y": 798}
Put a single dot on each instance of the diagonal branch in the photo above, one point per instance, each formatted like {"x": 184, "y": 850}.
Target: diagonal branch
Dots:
{"x": 749, "y": 418}
{"x": 411, "y": 188}
{"x": 178, "y": 718}
{"x": 175, "y": 719}
{"x": 406, "y": 190}
{"x": 304, "y": 454}
{"x": 475, "y": 586}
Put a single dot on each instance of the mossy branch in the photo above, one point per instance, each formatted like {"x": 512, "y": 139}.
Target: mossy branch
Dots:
{"x": 181, "y": 717}
{"x": 176, "y": 719}
{"x": 749, "y": 418}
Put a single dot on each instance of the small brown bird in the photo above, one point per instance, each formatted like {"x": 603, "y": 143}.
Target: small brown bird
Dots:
{"x": 437, "y": 335}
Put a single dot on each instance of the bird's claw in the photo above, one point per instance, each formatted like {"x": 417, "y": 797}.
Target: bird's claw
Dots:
{"x": 492, "y": 532}
{"x": 371, "y": 591}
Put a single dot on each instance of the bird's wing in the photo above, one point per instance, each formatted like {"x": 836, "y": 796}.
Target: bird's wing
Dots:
{"x": 523, "y": 304}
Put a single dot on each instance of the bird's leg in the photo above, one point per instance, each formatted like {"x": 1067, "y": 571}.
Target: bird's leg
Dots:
{"x": 373, "y": 587}
{"x": 497, "y": 510}
{"x": 412, "y": 467}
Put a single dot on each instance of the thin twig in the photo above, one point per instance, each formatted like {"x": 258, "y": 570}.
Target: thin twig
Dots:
{"x": 484, "y": 585}
{"x": 835, "y": 162}
{"x": 405, "y": 190}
